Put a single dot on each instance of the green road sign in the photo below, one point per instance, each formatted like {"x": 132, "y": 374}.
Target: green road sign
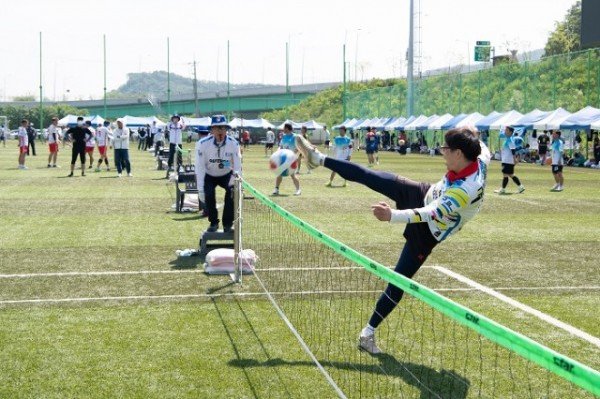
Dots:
{"x": 482, "y": 43}
{"x": 482, "y": 53}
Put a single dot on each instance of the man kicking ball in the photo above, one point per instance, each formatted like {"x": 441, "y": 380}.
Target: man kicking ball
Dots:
{"x": 431, "y": 212}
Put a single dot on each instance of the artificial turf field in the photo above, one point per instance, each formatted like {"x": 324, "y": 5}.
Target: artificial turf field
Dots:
{"x": 540, "y": 248}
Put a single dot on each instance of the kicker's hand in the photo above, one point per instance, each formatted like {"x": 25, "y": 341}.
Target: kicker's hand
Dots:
{"x": 382, "y": 211}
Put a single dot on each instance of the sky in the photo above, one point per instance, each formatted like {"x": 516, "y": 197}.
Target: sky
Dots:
{"x": 375, "y": 34}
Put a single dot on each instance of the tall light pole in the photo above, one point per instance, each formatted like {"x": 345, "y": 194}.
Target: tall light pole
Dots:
{"x": 287, "y": 67}
{"x": 104, "y": 45}
{"x": 228, "y": 85}
{"x": 410, "y": 100}
{"x": 196, "y": 112}
{"x": 344, "y": 90}
{"x": 168, "y": 76}
{"x": 41, "y": 93}
{"x": 356, "y": 56}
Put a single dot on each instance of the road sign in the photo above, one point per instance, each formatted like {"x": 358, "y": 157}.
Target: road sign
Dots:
{"x": 482, "y": 53}
{"x": 482, "y": 43}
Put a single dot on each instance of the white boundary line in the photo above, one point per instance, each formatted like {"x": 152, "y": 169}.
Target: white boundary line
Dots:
{"x": 528, "y": 309}
{"x": 252, "y": 294}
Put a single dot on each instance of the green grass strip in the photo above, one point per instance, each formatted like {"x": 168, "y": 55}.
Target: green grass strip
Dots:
{"x": 571, "y": 370}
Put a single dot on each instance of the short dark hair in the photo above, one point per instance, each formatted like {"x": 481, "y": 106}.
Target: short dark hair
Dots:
{"x": 24, "y": 121}
{"x": 288, "y": 126}
{"x": 80, "y": 118}
{"x": 343, "y": 128}
{"x": 557, "y": 133}
{"x": 510, "y": 128}
{"x": 464, "y": 139}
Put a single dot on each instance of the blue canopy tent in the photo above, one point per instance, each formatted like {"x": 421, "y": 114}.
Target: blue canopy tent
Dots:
{"x": 452, "y": 122}
{"x": 582, "y": 119}
{"x": 526, "y": 121}
{"x": 417, "y": 121}
{"x": 352, "y": 125}
{"x": 402, "y": 125}
{"x": 485, "y": 122}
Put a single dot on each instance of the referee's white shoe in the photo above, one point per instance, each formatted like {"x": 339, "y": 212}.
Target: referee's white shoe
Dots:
{"x": 367, "y": 343}
{"x": 312, "y": 155}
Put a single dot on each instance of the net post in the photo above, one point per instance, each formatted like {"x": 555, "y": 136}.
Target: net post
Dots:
{"x": 236, "y": 276}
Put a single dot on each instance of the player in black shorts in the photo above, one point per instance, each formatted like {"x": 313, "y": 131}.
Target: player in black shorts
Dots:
{"x": 78, "y": 135}
{"x": 543, "y": 141}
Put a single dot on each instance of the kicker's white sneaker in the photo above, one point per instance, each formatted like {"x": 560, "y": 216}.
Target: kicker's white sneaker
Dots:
{"x": 367, "y": 344}
{"x": 313, "y": 157}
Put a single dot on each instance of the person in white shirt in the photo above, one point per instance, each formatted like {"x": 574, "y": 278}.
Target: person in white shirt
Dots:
{"x": 270, "y": 141}
{"x": 158, "y": 138}
{"x": 509, "y": 160}
{"x": 102, "y": 138}
{"x": 175, "y": 128}
{"x": 23, "y": 143}
{"x": 90, "y": 144}
{"x": 121, "y": 144}
{"x": 53, "y": 139}
{"x": 217, "y": 161}
{"x": 327, "y": 138}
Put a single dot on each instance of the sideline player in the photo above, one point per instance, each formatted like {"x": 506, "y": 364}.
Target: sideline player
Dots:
{"x": 270, "y": 141}
{"x": 543, "y": 141}
{"x": 217, "y": 161}
{"x": 509, "y": 159}
{"x": 288, "y": 142}
{"x": 23, "y": 143}
{"x": 102, "y": 137}
{"x": 90, "y": 144}
{"x": 431, "y": 212}
{"x": 342, "y": 147}
{"x": 53, "y": 139}
{"x": 78, "y": 135}
{"x": 557, "y": 161}
{"x": 371, "y": 146}
{"x": 175, "y": 128}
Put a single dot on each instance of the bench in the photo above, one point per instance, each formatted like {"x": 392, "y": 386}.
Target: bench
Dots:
{"x": 186, "y": 184}
{"x": 225, "y": 241}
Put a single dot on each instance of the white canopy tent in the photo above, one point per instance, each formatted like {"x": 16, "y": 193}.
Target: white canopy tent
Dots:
{"x": 470, "y": 120}
{"x": 595, "y": 124}
{"x": 553, "y": 120}
{"x": 416, "y": 122}
{"x": 138, "y": 121}
{"x": 312, "y": 125}
{"x": 346, "y": 123}
{"x": 295, "y": 125}
{"x": 251, "y": 123}
{"x": 71, "y": 120}
{"x": 196, "y": 122}
{"x": 507, "y": 119}
{"x": 439, "y": 122}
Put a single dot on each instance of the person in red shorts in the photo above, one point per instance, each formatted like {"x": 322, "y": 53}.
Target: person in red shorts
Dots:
{"x": 53, "y": 139}
{"x": 23, "y": 143}
{"x": 90, "y": 144}
{"x": 102, "y": 138}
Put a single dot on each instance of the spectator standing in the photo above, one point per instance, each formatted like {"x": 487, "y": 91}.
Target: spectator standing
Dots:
{"x": 158, "y": 140}
{"x": 3, "y": 135}
{"x": 270, "y": 141}
{"x": 121, "y": 144}
{"x": 175, "y": 128}
{"x": 78, "y": 136}
{"x": 31, "y": 135}
{"x": 23, "y": 143}
{"x": 53, "y": 139}
{"x": 141, "y": 138}
{"x": 327, "y": 138}
{"x": 597, "y": 149}
{"x": 557, "y": 161}
{"x": 149, "y": 137}
{"x": 246, "y": 139}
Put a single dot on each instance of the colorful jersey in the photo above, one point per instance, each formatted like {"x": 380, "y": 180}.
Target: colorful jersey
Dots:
{"x": 23, "y": 137}
{"x": 342, "y": 147}
{"x": 449, "y": 205}
{"x": 557, "y": 148}
{"x": 288, "y": 142}
{"x": 371, "y": 141}
{"x": 507, "y": 151}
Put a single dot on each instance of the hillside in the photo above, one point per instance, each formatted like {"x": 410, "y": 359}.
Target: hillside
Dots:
{"x": 155, "y": 83}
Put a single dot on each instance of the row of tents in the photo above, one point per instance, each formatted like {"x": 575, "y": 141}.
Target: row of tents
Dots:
{"x": 198, "y": 123}
{"x": 587, "y": 118}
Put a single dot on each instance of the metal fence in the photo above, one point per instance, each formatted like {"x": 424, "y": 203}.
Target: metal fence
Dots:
{"x": 570, "y": 81}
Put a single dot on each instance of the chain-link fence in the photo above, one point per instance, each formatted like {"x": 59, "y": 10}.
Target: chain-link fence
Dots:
{"x": 570, "y": 81}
